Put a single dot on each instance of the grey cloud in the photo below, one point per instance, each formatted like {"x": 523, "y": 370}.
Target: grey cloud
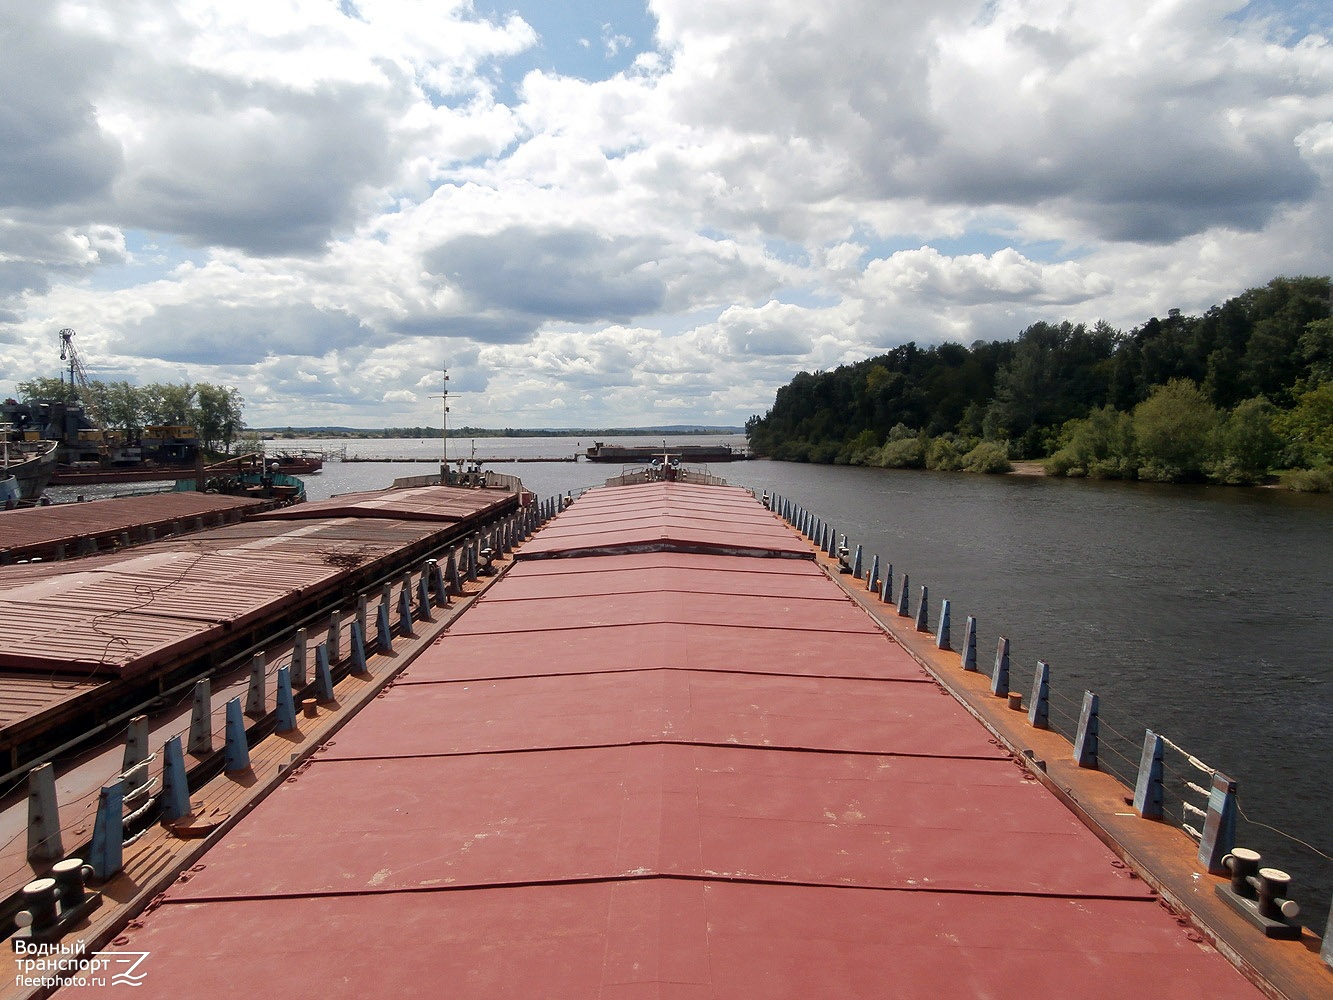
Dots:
{"x": 495, "y": 327}
{"x": 218, "y": 161}
{"x": 32, "y": 254}
{"x": 770, "y": 342}
{"x": 537, "y": 275}
{"x": 211, "y": 334}
{"x": 1146, "y": 185}
{"x": 52, "y": 151}
{"x": 873, "y": 100}
{"x": 17, "y": 277}
{"x": 260, "y": 169}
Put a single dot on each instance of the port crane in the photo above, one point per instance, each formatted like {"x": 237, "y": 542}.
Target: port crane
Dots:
{"x": 78, "y": 377}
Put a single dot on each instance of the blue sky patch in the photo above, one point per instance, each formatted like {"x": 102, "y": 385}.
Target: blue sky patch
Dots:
{"x": 586, "y": 39}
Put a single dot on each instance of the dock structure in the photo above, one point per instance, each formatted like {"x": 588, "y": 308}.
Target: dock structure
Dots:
{"x": 665, "y": 755}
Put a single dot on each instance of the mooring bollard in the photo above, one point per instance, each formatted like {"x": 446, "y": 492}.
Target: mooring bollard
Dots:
{"x": 886, "y": 588}
{"x": 903, "y": 599}
{"x": 923, "y": 611}
{"x": 1262, "y": 895}
{"x": 383, "y": 631}
{"x": 39, "y": 902}
{"x": 1148, "y": 789}
{"x": 942, "y": 636}
{"x": 70, "y": 887}
{"x": 872, "y": 578}
{"x": 201, "y": 719}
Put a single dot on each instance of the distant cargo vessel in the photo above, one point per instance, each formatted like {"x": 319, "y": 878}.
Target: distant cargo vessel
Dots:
{"x": 629, "y": 454}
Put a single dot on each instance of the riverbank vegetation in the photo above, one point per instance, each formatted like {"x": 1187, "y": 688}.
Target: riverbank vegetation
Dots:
{"x": 216, "y": 412}
{"x": 1241, "y": 394}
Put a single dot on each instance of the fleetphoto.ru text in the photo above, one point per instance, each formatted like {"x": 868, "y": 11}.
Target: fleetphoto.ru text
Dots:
{"x": 48, "y": 964}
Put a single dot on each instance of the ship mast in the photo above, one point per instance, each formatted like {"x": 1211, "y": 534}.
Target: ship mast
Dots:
{"x": 444, "y": 436}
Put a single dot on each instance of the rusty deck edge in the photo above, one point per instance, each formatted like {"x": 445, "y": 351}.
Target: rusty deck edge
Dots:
{"x": 1294, "y": 973}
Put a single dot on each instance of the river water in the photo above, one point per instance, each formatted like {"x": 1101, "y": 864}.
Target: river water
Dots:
{"x": 1202, "y": 613}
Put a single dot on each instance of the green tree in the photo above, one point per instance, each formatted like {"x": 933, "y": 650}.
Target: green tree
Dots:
{"x": 219, "y": 415}
{"x": 1307, "y": 429}
{"x": 166, "y": 403}
{"x": 46, "y": 390}
{"x": 1316, "y": 349}
{"x": 1249, "y": 445}
{"x": 1100, "y": 446}
{"x": 989, "y": 457}
{"x": 1056, "y": 373}
{"x": 121, "y": 406}
{"x": 1282, "y": 312}
{"x": 1175, "y": 430}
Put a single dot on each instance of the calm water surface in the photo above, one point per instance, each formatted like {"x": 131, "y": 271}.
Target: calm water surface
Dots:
{"x": 1202, "y": 613}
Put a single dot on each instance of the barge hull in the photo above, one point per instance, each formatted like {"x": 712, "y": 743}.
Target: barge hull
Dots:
{"x": 667, "y": 822}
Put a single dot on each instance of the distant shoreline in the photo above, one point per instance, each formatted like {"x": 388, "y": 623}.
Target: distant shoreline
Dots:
{"x": 396, "y": 433}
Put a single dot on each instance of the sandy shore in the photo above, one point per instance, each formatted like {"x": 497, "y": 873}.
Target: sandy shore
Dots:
{"x": 1027, "y": 469}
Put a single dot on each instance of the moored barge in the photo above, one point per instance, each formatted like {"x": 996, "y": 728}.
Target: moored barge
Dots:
{"x": 667, "y": 755}
{"x": 698, "y": 454}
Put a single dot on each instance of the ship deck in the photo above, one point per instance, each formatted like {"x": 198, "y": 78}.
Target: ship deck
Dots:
{"x": 86, "y": 643}
{"x": 666, "y": 756}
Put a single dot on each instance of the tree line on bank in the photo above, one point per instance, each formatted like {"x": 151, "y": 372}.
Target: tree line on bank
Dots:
{"x": 1232, "y": 396}
{"x": 216, "y": 412}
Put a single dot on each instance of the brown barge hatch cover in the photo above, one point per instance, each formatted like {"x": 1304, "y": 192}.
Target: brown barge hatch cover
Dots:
{"x": 586, "y": 789}
{"x": 421, "y": 503}
{"x": 129, "y": 614}
{"x": 39, "y": 528}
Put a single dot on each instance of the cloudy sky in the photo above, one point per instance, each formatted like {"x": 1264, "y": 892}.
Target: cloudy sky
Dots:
{"x": 609, "y": 212}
